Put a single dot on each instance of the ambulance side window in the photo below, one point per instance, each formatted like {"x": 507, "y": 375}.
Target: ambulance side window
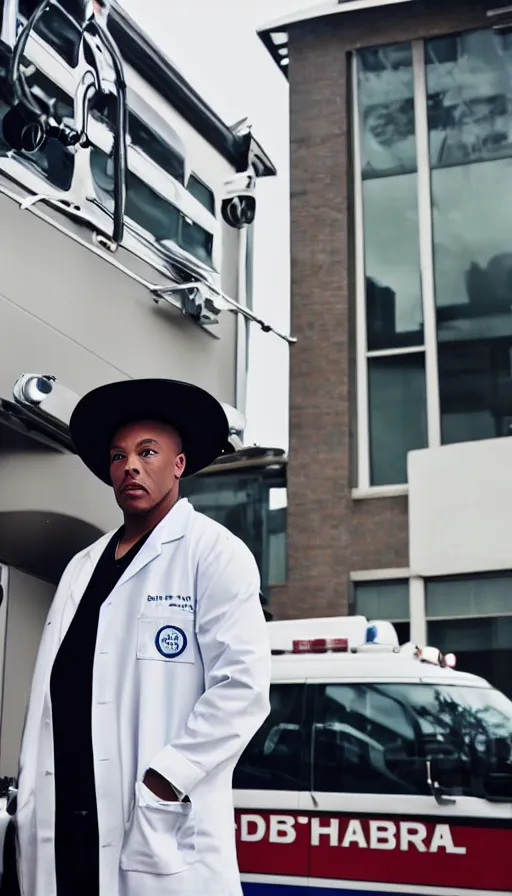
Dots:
{"x": 358, "y": 729}
{"x": 275, "y": 758}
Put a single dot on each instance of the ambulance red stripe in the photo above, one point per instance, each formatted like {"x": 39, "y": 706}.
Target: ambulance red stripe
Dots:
{"x": 440, "y": 852}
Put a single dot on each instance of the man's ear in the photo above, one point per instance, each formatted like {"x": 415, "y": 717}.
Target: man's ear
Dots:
{"x": 181, "y": 463}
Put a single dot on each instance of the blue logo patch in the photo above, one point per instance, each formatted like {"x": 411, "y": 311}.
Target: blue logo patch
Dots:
{"x": 170, "y": 641}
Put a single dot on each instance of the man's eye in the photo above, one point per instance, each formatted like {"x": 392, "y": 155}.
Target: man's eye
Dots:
{"x": 115, "y": 457}
{"x": 146, "y": 452}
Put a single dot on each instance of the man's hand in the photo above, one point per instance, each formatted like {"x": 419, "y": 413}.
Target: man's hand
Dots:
{"x": 160, "y": 786}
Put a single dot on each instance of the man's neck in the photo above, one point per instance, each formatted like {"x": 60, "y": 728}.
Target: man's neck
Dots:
{"x": 136, "y": 526}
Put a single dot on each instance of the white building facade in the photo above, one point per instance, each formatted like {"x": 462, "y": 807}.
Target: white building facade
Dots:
{"x": 80, "y": 308}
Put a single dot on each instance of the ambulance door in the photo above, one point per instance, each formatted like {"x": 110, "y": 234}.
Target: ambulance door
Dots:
{"x": 375, "y": 821}
{"x": 273, "y": 849}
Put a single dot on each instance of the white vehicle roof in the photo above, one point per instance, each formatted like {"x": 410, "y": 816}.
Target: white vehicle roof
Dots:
{"x": 365, "y": 667}
{"x": 371, "y": 653}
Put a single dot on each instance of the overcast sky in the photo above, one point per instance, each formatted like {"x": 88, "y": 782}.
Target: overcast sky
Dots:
{"x": 216, "y": 47}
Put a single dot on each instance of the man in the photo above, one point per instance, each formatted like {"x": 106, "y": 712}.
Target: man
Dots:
{"x": 152, "y": 674}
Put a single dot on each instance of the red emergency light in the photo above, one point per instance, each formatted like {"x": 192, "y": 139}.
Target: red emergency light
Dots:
{"x": 320, "y": 645}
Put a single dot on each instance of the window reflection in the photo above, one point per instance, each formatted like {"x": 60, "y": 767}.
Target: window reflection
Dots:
{"x": 274, "y": 758}
{"x": 398, "y": 419}
{"x": 385, "y": 600}
{"x": 354, "y": 726}
{"x": 386, "y": 109}
{"x": 143, "y": 137}
{"x": 202, "y": 193}
{"x": 252, "y": 505}
{"x": 158, "y": 217}
{"x": 388, "y": 148}
{"x": 469, "y": 84}
{"x": 483, "y": 645}
{"x": 376, "y": 739}
{"x": 157, "y": 149}
{"x": 58, "y": 27}
{"x": 393, "y": 285}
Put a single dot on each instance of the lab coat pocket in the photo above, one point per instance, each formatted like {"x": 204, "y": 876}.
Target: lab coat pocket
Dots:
{"x": 160, "y": 838}
{"x": 168, "y": 639}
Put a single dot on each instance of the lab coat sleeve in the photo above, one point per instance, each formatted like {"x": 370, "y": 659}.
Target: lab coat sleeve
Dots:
{"x": 233, "y": 642}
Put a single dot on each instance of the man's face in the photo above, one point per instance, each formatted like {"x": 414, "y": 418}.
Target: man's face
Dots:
{"x": 146, "y": 464}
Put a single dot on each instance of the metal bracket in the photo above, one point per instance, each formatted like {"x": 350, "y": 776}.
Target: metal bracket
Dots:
{"x": 437, "y": 792}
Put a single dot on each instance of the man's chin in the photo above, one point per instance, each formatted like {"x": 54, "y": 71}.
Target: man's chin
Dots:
{"x": 134, "y": 506}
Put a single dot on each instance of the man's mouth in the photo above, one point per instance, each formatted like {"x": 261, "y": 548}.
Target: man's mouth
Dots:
{"x": 133, "y": 488}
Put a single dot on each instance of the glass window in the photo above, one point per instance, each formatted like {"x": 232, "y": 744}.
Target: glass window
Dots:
{"x": 469, "y": 85}
{"x": 376, "y": 738}
{"x": 356, "y": 726}
{"x": 397, "y": 414}
{"x": 157, "y": 216}
{"x": 142, "y": 136}
{"x": 57, "y": 28}
{"x": 483, "y": 646}
{"x": 251, "y": 503}
{"x": 196, "y": 240}
{"x": 462, "y": 596}
{"x": 156, "y": 149}
{"x": 483, "y": 643}
{"x": 276, "y": 528}
{"x": 388, "y": 146}
{"x": 274, "y": 759}
{"x": 385, "y": 599}
{"x": 202, "y": 193}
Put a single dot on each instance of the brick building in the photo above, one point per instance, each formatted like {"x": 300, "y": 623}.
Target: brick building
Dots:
{"x": 399, "y": 475}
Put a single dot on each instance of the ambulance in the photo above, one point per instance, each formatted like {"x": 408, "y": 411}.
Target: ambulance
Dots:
{"x": 380, "y": 770}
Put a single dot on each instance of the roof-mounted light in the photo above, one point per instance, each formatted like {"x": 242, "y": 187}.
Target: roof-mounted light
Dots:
{"x": 434, "y": 657}
{"x": 320, "y": 645}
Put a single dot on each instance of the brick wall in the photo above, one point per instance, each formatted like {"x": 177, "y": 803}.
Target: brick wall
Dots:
{"x": 329, "y": 534}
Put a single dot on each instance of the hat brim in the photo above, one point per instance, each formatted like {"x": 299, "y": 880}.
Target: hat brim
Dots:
{"x": 199, "y": 419}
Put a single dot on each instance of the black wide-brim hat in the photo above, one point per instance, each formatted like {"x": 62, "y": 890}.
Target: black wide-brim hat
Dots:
{"x": 196, "y": 415}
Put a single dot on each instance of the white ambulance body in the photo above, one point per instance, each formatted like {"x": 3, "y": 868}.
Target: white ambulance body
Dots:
{"x": 380, "y": 770}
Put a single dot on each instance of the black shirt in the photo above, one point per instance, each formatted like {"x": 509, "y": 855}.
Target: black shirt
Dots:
{"x": 71, "y": 698}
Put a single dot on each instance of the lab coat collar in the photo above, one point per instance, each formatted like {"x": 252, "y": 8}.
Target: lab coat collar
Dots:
{"x": 171, "y": 528}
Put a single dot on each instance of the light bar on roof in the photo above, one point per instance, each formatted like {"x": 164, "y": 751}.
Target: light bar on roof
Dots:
{"x": 320, "y": 645}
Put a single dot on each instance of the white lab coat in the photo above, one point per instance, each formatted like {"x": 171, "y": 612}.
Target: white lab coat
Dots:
{"x": 180, "y": 684}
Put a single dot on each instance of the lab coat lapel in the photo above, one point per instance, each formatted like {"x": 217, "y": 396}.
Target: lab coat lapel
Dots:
{"x": 85, "y": 570}
{"x": 171, "y": 528}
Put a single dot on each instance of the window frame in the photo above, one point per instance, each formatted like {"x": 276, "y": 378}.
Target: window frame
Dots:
{"x": 426, "y": 256}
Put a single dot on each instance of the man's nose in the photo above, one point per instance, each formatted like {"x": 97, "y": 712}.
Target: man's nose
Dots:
{"x": 131, "y": 464}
